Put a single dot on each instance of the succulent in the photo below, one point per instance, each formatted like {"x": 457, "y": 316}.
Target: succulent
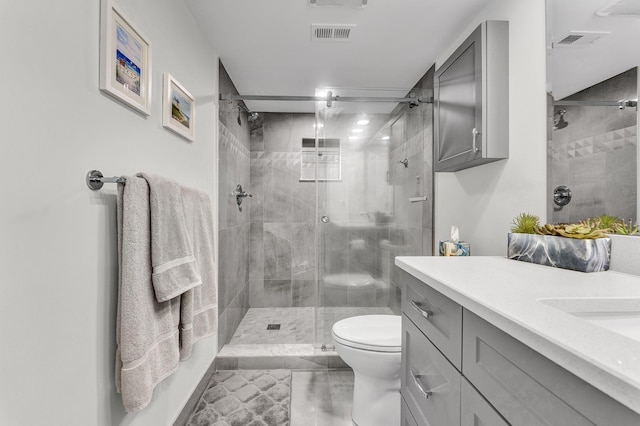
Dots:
{"x": 606, "y": 222}
{"x": 588, "y": 229}
{"x": 623, "y": 228}
{"x": 583, "y": 230}
{"x": 525, "y": 223}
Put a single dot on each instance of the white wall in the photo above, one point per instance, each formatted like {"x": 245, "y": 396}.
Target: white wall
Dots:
{"x": 58, "y": 266}
{"x": 482, "y": 201}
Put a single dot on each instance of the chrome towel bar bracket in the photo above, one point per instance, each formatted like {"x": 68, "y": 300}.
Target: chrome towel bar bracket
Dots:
{"x": 95, "y": 180}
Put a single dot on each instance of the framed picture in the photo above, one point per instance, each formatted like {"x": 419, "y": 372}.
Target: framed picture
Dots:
{"x": 178, "y": 108}
{"x": 125, "y": 60}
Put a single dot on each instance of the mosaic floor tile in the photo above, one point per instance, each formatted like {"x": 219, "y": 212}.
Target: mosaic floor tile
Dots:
{"x": 245, "y": 398}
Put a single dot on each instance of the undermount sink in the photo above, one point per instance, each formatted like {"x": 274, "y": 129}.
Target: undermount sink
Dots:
{"x": 619, "y": 315}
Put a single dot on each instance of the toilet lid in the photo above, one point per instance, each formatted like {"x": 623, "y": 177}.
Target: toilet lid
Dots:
{"x": 380, "y": 333}
{"x": 351, "y": 281}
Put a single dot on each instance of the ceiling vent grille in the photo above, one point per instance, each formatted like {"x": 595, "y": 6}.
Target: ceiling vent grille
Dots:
{"x": 320, "y": 32}
{"x": 338, "y": 3}
{"x": 579, "y": 38}
{"x": 621, "y": 8}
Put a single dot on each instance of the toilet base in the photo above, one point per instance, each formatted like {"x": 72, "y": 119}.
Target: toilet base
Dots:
{"x": 376, "y": 402}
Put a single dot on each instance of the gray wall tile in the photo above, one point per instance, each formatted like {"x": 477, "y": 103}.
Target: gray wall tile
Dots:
{"x": 256, "y": 251}
{"x": 303, "y": 293}
{"x": 277, "y": 293}
{"x": 277, "y": 252}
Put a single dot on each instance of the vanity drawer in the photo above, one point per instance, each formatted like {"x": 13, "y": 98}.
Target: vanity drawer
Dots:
{"x": 475, "y": 410}
{"x": 406, "y": 419}
{"x": 529, "y": 389}
{"x": 437, "y": 316}
{"x": 430, "y": 384}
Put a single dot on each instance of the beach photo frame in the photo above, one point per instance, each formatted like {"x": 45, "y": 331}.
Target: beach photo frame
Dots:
{"x": 125, "y": 59}
{"x": 178, "y": 108}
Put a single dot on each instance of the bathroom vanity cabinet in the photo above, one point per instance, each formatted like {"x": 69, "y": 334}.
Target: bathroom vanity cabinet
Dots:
{"x": 459, "y": 369}
{"x": 471, "y": 101}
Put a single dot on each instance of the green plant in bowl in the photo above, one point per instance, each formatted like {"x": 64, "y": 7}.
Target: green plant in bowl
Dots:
{"x": 525, "y": 223}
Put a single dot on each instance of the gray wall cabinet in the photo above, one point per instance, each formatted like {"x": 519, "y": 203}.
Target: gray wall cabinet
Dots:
{"x": 471, "y": 114}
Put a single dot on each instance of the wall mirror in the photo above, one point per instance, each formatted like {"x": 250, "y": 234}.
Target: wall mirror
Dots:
{"x": 592, "y": 93}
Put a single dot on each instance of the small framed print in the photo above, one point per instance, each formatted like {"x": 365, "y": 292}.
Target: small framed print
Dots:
{"x": 178, "y": 108}
{"x": 125, "y": 60}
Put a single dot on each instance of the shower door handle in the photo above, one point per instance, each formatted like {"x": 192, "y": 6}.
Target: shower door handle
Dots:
{"x": 325, "y": 219}
{"x": 475, "y": 134}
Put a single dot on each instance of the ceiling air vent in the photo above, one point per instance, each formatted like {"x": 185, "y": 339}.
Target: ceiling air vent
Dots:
{"x": 579, "y": 38}
{"x": 621, "y": 8}
{"x": 320, "y": 32}
{"x": 338, "y": 3}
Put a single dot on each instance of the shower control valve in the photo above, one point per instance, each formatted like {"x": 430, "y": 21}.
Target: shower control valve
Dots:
{"x": 240, "y": 195}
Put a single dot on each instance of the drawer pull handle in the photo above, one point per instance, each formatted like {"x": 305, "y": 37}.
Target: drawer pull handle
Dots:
{"x": 418, "y": 308}
{"x": 426, "y": 394}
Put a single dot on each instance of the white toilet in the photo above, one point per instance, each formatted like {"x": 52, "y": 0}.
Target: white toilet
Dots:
{"x": 370, "y": 345}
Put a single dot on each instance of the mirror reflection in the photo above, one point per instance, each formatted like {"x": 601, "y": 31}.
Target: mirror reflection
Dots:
{"x": 592, "y": 81}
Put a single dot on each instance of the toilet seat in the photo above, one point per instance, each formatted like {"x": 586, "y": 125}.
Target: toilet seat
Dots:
{"x": 377, "y": 333}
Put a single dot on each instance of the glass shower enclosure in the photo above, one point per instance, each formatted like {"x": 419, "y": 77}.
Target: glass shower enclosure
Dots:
{"x": 374, "y": 184}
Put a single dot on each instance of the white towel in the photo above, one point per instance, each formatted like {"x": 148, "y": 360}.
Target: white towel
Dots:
{"x": 199, "y": 306}
{"x": 172, "y": 257}
{"x": 147, "y": 333}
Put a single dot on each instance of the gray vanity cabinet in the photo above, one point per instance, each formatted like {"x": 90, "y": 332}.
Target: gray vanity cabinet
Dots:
{"x": 475, "y": 410}
{"x": 430, "y": 384}
{"x": 471, "y": 101}
{"x": 498, "y": 381}
{"x": 529, "y": 389}
{"x": 406, "y": 418}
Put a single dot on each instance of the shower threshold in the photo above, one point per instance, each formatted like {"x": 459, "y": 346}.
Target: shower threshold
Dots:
{"x": 285, "y": 338}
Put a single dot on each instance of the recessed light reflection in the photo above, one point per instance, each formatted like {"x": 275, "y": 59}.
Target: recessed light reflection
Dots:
{"x": 357, "y": 130}
{"x": 385, "y": 138}
{"x": 318, "y": 125}
{"x": 362, "y": 122}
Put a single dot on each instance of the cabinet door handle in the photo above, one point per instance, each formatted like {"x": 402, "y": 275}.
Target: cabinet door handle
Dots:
{"x": 425, "y": 393}
{"x": 475, "y": 134}
{"x": 426, "y": 314}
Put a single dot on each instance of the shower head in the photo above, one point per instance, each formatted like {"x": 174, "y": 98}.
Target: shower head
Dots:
{"x": 251, "y": 115}
{"x": 558, "y": 119}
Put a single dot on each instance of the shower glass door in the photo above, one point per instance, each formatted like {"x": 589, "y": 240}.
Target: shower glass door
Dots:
{"x": 372, "y": 177}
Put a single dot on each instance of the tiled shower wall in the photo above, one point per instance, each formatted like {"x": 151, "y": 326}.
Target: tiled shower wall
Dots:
{"x": 282, "y": 251}
{"x": 411, "y": 138}
{"x": 233, "y": 275}
{"x": 596, "y": 154}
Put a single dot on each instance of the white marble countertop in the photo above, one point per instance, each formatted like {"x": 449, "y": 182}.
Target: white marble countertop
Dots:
{"x": 506, "y": 293}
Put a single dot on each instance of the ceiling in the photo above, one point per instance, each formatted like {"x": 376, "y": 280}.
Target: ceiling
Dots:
{"x": 266, "y": 45}
{"x": 572, "y": 69}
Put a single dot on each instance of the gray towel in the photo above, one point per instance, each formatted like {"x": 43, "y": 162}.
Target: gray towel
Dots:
{"x": 172, "y": 257}
{"x": 147, "y": 334}
{"x": 199, "y": 306}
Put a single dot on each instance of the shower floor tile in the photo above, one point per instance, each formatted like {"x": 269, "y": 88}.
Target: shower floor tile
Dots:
{"x": 297, "y": 325}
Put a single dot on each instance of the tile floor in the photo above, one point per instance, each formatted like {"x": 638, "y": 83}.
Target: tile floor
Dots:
{"x": 321, "y": 398}
{"x": 297, "y": 325}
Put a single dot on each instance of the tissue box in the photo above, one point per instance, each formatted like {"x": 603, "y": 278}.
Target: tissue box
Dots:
{"x": 447, "y": 248}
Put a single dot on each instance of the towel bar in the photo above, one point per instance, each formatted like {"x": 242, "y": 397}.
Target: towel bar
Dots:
{"x": 95, "y": 180}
